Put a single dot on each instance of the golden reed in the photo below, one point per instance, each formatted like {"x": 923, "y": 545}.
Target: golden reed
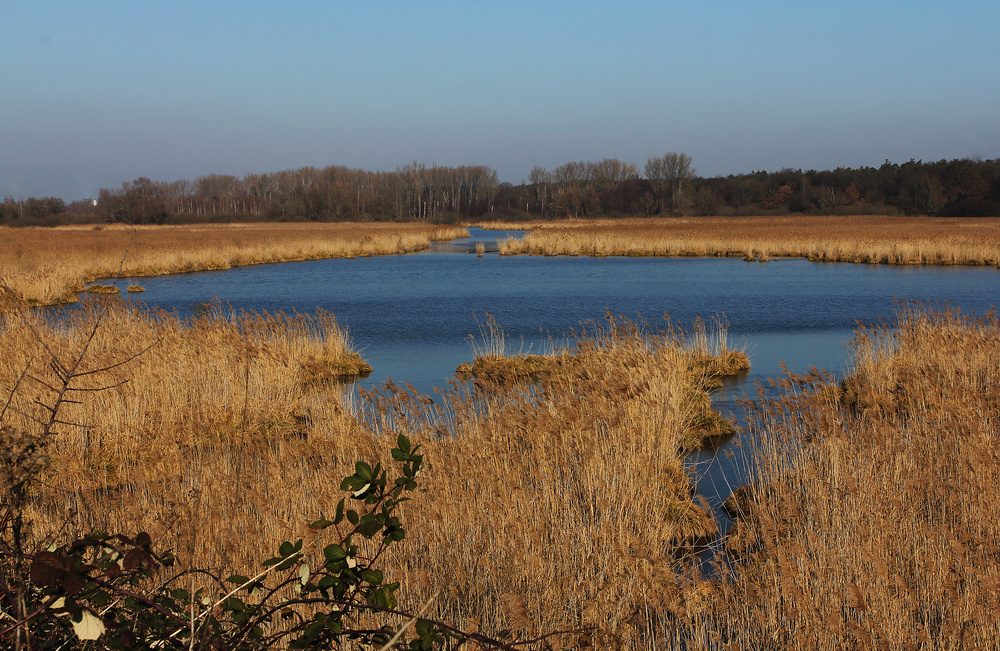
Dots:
{"x": 874, "y": 521}
{"x": 45, "y": 266}
{"x": 213, "y": 435}
{"x": 865, "y": 239}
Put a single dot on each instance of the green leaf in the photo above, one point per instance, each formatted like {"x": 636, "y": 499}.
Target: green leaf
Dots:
{"x": 288, "y": 562}
{"x": 352, "y": 517}
{"x": 286, "y": 549}
{"x": 369, "y": 575}
{"x": 334, "y": 553}
{"x": 369, "y": 526}
{"x": 403, "y": 443}
{"x": 383, "y": 598}
{"x": 363, "y": 470}
{"x": 319, "y": 525}
{"x": 340, "y": 512}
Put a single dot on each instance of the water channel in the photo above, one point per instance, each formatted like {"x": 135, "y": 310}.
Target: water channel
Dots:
{"x": 411, "y": 316}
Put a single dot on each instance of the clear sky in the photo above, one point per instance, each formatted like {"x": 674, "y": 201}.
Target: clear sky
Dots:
{"x": 96, "y": 93}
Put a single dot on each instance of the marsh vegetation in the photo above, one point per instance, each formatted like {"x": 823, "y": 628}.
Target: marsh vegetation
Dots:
{"x": 562, "y": 502}
{"x": 45, "y": 266}
{"x": 862, "y": 239}
{"x": 554, "y": 493}
{"x": 219, "y": 435}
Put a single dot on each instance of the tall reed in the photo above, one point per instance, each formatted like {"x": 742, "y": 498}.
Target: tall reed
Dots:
{"x": 49, "y": 265}
{"x": 873, "y": 523}
{"x": 866, "y": 239}
{"x": 560, "y": 503}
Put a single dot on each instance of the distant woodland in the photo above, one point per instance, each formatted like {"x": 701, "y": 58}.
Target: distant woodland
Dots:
{"x": 667, "y": 185}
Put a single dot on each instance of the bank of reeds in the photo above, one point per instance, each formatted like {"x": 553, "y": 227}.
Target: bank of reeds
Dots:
{"x": 875, "y": 239}
{"x": 874, "y": 521}
{"x": 448, "y": 233}
{"x": 555, "y": 503}
{"x": 46, "y": 266}
{"x": 706, "y": 358}
{"x": 541, "y": 507}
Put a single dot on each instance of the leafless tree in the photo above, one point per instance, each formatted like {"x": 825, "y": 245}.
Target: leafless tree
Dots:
{"x": 670, "y": 175}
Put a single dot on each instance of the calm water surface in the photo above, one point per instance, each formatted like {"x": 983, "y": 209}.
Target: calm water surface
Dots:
{"x": 412, "y": 316}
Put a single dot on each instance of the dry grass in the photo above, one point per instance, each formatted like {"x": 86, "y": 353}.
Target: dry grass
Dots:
{"x": 45, "y": 266}
{"x": 207, "y": 439}
{"x": 558, "y": 491}
{"x": 542, "y": 507}
{"x": 707, "y": 359}
{"x": 448, "y": 233}
{"x": 560, "y": 502}
{"x": 866, "y": 239}
{"x": 874, "y": 523}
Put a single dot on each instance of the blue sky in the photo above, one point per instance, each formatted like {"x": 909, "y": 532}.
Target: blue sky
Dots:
{"x": 96, "y": 93}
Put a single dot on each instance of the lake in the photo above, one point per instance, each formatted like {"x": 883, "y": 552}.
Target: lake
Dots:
{"x": 412, "y": 316}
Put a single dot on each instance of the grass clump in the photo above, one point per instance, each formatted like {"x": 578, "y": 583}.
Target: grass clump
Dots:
{"x": 97, "y": 288}
{"x": 705, "y": 361}
{"x": 499, "y": 370}
{"x": 448, "y": 233}
{"x": 348, "y": 366}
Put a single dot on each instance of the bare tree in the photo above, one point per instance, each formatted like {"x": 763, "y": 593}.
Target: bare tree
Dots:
{"x": 610, "y": 172}
{"x": 670, "y": 175}
{"x": 541, "y": 182}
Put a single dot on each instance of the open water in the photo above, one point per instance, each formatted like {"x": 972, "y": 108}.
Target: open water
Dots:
{"x": 412, "y": 316}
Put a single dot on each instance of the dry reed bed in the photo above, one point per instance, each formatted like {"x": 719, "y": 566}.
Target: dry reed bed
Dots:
{"x": 49, "y": 265}
{"x": 875, "y": 521}
{"x": 865, "y": 239}
{"x": 873, "y": 524}
{"x": 213, "y": 441}
{"x": 186, "y": 442}
{"x": 707, "y": 359}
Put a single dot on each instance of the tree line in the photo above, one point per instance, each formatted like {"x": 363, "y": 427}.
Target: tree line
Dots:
{"x": 665, "y": 185}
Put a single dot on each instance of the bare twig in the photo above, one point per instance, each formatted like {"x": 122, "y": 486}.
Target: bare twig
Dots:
{"x": 410, "y": 622}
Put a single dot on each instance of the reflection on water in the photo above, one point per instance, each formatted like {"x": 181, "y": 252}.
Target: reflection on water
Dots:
{"x": 411, "y": 316}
